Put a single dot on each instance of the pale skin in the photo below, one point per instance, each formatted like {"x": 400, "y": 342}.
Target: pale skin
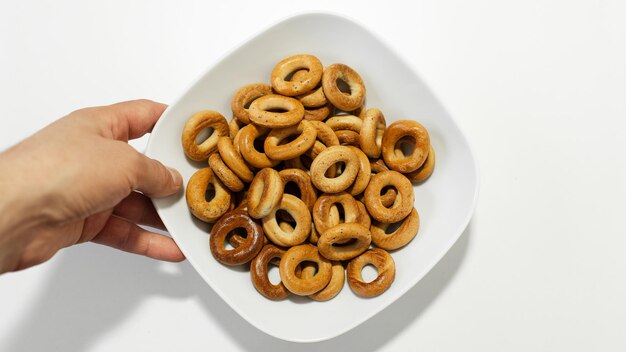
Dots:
{"x": 78, "y": 180}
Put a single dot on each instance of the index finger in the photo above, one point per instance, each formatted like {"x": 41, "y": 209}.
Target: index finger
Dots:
{"x": 132, "y": 119}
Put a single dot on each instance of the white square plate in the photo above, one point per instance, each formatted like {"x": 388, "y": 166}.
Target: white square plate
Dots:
{"x": 445, "y": 202}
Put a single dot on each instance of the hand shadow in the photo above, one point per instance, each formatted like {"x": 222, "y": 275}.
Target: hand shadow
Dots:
{"x": 94, "y": 288}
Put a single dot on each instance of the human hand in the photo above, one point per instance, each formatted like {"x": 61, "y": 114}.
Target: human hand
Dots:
{"x": 78, "y": 180}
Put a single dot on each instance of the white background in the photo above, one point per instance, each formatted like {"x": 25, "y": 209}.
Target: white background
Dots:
{"x": 539, "y": 87}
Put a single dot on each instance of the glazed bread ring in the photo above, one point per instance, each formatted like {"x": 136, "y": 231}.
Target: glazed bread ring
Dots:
{"x": 318, "y": 114}
{"x": 389, "y": 197}
{"x": 325, "y": 207}
{"x": 401, "y": 206}
{"x": 259, "y": 273}
{"x": 325, "y": 138}
{"x": 364, "y": 217}
{"x": 195, "y": 125}
{"x": 334, "y": 286}
{"x": 313, "y": 99}
{"x": 302, "y": 180}
{"x": 244, "y": 97}
{"x": 329, "y": 157}
{"x": 364, "y": 174}
{"x": 417, "y": 134}
{"x": 247, "y": 136}
{"x": 306, "y": 133}
{"x": 346, "y": 102}
{"x": 263, "y": 111}
{"x": 234, "y": 126}
{"x": 228, "y": 178}
{"x": 398, "y": 238}
{"x": 265, "y": 193}
{"x": 347, "y": 137}
{"x": 355, "y": 239}
{"x": 424, "y": 171}
{"x": 233, "y": 159}
{"x": 305, "y": 82}
{"x": 207, "y": 211}
{"x": 345, "y": 122}
{"x": 290, "y": 262}
{"x": 378, "y": 166}
{"x": 385, "y": 266}
{"x": 372, "y": 131}
{"x": 247, "y": 249}
{"x": 301, "y": 215}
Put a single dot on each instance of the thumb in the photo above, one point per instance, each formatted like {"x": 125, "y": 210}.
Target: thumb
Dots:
{"x": 153, "y": 178}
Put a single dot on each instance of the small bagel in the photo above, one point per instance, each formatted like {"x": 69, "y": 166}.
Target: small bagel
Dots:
{"x": 265, "y": 193}
{"x": 302, "y": 180}
{"x": 325, "y": 209}
{"x": 334, "y": 286}
{"x": 345, "y": 122}
{"x": 363, "y": 176}
{"x": 305, "y": 81}
{"x": 306, "y": 134}
{"x": 207, "y": 211}
{"x": 233, "y": 159}
{"x": 319, "y": 113}
{"x": 401, "y": 206}
{"x": 247, "y": 136}
{"x": 354, "y": 238}
{"x": 244, "y": 97}
{"x": 385, "y": 266}
{"x": 423, "y": 172}
{"x": 259, "y": 273}
{"x": 262, "y": 111}
{"x": 228, "y": 178}
{"x": 372, "y": 131}
{"x": 347, "y": 137}
{"x": 285, "y": 236}
{"x": 398, "y": 238}
{"x": 195, "y": 125}
{"x": 301, "y": 286}
{"x": 346, "y": 102}
{"x": 247, "y": 249}
{"x": 418, "y": 137}
{"x": 329, "y": 157}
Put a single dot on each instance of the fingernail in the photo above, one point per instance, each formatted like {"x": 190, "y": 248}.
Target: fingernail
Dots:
{"x": 176, "y": 177}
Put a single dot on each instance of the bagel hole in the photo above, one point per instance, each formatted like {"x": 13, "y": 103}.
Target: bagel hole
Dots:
{"x": 273, "y": 274}
{"x": 290, "y": 75}
{"x": 339, "y": 166}
{"x": 277, "y": 109}
{"x": 285, "y": 217}
{"x": 306, "y": 161}
{"x": 341, "y": 211}
{"x": 343, "y": 86}
{"x": 307, "y": 265}
{"x": 405, "y": 146}
{"x": 348, "y": 243}
{"x": 259, "y": 144}
{"x": 204, "y": 135}
{"x": 369, "y": 273}
{"x": 209, "y": 194}
{"x": 228, "y": 243}
{"x": 386, "y": 189}
{"x": 393, "y": 227}
{"x": 248, "y": 103}
{"x": 292, "y": 188}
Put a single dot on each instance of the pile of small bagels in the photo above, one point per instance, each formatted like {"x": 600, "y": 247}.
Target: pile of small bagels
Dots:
{"x": 306, "y": 178}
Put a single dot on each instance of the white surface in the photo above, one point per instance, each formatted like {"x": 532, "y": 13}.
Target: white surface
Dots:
{"x": 445, "y": 202}
{"x": 538, "y": 86}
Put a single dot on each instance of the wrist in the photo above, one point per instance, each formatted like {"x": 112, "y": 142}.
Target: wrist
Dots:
{"x": 18, "y": 212}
